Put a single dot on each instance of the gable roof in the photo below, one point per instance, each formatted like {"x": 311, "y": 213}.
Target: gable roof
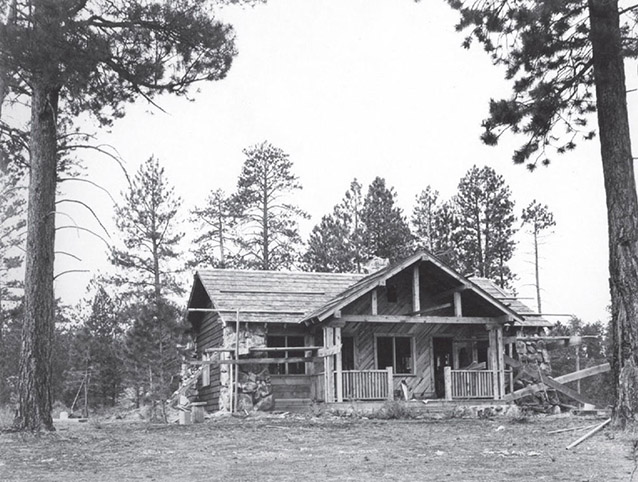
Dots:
{"x": 304, "y": 297}
{"x": 269, "y": 296}
{"x": 373, "y": 280}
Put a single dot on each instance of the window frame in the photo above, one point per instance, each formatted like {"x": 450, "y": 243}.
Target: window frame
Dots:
{"x": 286, "y": 349}
{"x": 393, "y": 336}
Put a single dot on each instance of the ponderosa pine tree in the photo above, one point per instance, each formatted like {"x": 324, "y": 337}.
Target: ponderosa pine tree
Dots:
{"x": 66, "y": 58}
{"x": 269, "y": 233}
{"x": 424, "y": 216}
{"x": 558, "y": 55}
{"x": 387, "y": 232}
{"x": 216, "y": 222}
{"x": 337, "y": 243}
{"x": 148, "y": 223}
{"x": 538, "y": 218}
{"x": 486, "y": 224}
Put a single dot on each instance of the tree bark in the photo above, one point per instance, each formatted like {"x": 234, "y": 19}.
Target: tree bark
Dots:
{"x": 34, "y": 383}
{"x": 622, "y": 203}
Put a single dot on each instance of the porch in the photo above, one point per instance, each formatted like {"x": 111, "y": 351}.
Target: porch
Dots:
{"x": 377, "y": 385}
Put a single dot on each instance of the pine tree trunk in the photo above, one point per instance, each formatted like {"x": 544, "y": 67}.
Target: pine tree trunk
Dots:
{"x": 34, "y": 383}
{"x": 622, "y": 204}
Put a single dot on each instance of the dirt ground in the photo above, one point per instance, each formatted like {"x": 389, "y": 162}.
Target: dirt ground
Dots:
{"x": 294, "y": 447}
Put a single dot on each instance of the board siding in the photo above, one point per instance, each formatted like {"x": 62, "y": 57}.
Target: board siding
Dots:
{"x": 210, "y": 335}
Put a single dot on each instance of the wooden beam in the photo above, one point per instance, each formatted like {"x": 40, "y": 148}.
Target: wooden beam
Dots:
{"x": 570, "y": 377}
{"x": 374, "y": 302}
{"x": 458, "y": 306}
{"x": 416, "y": 290}
{"x": 284, "y": 348}
{"x": 587, "y": 372}
{"x": 431, "y": 309}
{"x": 445, "y": 320}
{"x": 551, "y": 383}
{"x": 252, "y": 312}
{"x": 267, "y": 361}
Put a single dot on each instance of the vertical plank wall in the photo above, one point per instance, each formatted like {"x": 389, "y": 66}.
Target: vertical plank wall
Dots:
{"x": 210, "y": 335}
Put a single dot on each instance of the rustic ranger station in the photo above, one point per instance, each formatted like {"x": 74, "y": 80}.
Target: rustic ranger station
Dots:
{"x": 414, "y": 329}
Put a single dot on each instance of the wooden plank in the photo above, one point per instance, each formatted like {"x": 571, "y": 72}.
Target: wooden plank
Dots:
{"x": 285, "y": 348}
{"x": 431, "y": 309}
{"x": 589, "y": 434}
{"x": 416, "y": 291}
{"x": 570, "y": 377}
{"x": 550, "y": 382}
{"x": 267, "y": 361}
{"x": 511, "y": 361}
{"x": 445, "y": 320}
{"x": 330, "y": 350}
{"x": 273, "y": 292}
{"x": 587, "y": 372}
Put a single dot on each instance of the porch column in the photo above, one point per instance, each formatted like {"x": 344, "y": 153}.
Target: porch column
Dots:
{"x": 493, "y": 361}
{"x": 339, "y": 364}
{"x": 500, "y": 357}
{"x": 328, "y": 341}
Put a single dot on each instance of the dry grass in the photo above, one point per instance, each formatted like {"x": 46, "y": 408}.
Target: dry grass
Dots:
{"x": 317, "y": 448}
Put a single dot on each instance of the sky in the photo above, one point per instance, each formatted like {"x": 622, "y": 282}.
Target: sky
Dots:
{"x": 355, "y": 88}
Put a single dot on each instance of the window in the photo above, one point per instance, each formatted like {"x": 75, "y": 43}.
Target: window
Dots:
{"x": 347, "y": 353}
{"x": 286, "y": 342}
{"x": 395, "y": 352}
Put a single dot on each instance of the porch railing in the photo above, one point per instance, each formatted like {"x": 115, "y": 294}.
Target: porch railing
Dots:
{"x": 368, "y": 384}
{"x": 357, "y": 385}
{"x": 469, "y": 384}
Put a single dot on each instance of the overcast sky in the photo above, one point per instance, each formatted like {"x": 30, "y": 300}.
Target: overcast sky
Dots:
{"x": 357, "y": 88}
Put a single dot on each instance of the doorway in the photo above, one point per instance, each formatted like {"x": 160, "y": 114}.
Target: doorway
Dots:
{"x": 442, "y": 353}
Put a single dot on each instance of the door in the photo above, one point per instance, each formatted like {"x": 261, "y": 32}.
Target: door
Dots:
{"x": 442, "y": 352}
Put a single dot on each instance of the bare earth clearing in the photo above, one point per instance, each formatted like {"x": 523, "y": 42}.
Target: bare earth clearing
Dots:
{"x": 297, "y": 447}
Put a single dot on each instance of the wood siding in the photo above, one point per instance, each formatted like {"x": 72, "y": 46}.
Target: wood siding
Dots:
{"x": 209, "y": 335}
{"x": 421, "y": 383}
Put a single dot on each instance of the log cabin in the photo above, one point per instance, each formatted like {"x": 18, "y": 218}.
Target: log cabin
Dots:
{"x": 415, "y": 328}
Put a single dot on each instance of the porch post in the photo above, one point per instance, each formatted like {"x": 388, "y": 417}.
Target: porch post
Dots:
{"x": 493, "y": 360}
{"x": 328, "y": 341}
{"x": 500, "y": 356}
{"x": 339, "y": 365}
{"x": 447, "y": 378}
{"x": 390, "y": 383}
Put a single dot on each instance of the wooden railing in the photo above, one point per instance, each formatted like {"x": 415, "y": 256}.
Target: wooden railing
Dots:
{"x": 468, "y": 384}
{"x": 368, "y": 384}
{"x": 357, "y": 385}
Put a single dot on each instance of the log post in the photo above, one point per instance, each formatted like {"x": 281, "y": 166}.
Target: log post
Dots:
{"x": 390, "y": 383}
{"x": 339, "y": 365}
{"x": 493, "y": 360}
{"x": 447, "y": 379}
{"x": 328, "y": 341}
{"x": 416, "y": 295}
{"x": 500, "y": 358}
